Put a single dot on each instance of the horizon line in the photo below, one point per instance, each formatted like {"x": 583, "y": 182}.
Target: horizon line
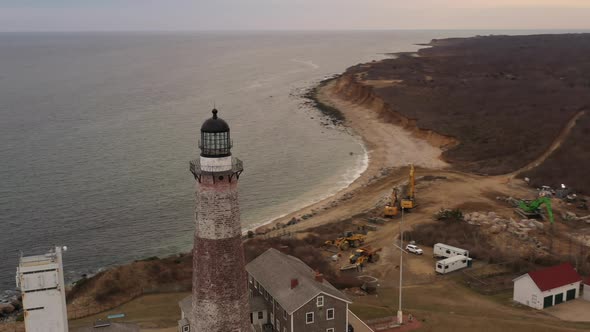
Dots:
{"x": 291, "y": 30}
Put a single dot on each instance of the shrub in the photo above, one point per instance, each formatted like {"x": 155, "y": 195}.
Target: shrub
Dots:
{"x": 454, "y": 215}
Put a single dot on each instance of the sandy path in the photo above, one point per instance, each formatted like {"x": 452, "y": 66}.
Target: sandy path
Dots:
{"x": 563, "y": 135}
{"x": 388, "y": 146}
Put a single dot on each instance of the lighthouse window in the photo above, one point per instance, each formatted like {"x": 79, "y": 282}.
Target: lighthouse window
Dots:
{"x": 221, "y": 177}
{"x": 215, "y": 144}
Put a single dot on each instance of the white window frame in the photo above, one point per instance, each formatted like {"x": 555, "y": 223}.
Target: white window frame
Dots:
{"x": 256, "y": 284}
{"x": 250, "y": 278}
{"x": 278, "y": 322}
{"x": 330, "y": 329}
{"x": 319, "y": 301}
{"x": 312, "y": 317}
{"x": 284, "y": 314}
{"x": 328, "y": 314}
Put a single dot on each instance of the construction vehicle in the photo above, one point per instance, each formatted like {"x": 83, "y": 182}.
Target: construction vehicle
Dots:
{"x": 363, "y": 255}
{"x": 408, "y": 202}
{"x": 347, "y": 240}
{"x": 532, "y": 209}
{"x": 392, "y": 208}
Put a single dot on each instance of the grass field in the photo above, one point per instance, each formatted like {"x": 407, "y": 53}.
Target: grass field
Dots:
{"x": 154, "y": 311}
{"x": 448, "y": 306}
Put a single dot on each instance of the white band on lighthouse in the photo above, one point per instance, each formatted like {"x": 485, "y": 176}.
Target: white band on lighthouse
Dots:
{"x": 216, "y": 164}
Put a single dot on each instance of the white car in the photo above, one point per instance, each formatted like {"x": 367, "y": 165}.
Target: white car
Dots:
{"x": 414, "y": 249}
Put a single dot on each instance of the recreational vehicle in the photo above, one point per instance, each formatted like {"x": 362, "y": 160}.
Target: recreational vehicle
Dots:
{"x": 452, "y": 264}
{"x": 442, "y": 250}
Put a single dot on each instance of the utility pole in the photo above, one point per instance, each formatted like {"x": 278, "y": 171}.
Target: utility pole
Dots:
{"x": 400, "y": 316}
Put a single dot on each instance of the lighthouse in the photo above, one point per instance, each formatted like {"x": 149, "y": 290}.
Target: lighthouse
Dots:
{"x": 220, "y": 292}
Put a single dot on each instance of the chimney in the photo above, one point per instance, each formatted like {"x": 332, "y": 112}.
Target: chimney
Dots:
{"x": 294, "y": 283}
{"x": 319, "y": 277}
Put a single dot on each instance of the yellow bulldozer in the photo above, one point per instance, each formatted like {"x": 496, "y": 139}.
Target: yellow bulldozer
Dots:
{"x": 363, "y": 255}
{"x": 347, "y": 240}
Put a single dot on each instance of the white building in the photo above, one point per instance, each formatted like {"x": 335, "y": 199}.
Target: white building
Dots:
{"x": 547, "y": 287}
{"x": 41, "y": 281}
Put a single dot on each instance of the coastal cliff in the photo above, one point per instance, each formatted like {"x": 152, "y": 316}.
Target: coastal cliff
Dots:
{"x": 355, "y": 91}
{"x": 494, "y": 104}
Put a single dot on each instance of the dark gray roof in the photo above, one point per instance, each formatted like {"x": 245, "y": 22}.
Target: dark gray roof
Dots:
{"x": 257, "y": 303}
{"x": 214, "y": 124}
{"x": 186, "y": 305}
{"x": 274, "y": 271}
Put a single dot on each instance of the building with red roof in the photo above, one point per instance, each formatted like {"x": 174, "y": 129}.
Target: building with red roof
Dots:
{"x": 586, "y": 286}
{"x": 547, "y": 287}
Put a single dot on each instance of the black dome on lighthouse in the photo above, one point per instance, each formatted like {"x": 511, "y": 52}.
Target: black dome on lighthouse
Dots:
{"x": 214, "y": 124}
{"x": 215, "y": 140}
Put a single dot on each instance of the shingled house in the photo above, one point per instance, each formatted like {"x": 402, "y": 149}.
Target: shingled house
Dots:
{"x": 286, "y": 295}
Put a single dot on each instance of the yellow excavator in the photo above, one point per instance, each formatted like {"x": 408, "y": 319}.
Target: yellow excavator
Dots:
{"x": 408, "y": 202}
{"x": 391, "y": 209}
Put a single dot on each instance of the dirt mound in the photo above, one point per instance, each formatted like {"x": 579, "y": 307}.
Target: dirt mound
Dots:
{"x": 505, "y": 99}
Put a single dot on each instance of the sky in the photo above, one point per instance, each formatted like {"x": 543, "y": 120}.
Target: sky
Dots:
{"x": 156, "y": 15}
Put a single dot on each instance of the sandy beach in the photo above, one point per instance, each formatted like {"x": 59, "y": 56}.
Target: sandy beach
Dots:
{"x": 390, "y": 148}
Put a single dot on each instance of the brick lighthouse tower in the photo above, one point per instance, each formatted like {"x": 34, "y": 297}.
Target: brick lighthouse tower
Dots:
{"x": 220, "y": 293}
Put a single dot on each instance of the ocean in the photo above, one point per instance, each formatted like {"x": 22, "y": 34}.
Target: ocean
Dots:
{"x": 97, "y": 130}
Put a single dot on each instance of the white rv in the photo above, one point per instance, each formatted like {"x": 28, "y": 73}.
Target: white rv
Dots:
{"x": 452, "y": 264}
{"x": 442, "y": 250}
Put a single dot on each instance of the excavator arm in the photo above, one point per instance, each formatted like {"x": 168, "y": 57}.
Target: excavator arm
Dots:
{"x": 411, "y": 183}
{"x": 549, "y": 210}
{"x": 534, "y": 206}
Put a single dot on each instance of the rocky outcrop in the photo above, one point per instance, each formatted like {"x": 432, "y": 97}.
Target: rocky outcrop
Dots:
{"x": 524, "y": 229}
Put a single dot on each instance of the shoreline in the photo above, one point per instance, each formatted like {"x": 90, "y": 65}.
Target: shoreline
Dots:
{"x": 337, "y": 119}
{"x": 389, "y": 146}
{"x": 364, "y": 164}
